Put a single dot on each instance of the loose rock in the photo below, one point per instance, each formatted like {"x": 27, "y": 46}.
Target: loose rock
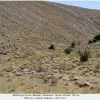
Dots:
{"x": 2, "y": 73}
{"x": 19, "y": 74}
{"x": 25, "y": 70}
{"x": 50, "y": 76}
{"x": 76, "y": 78}
{"x": 86, "y": 84}
{"x": 32, "y": 72}
{"x": 87, "y": 74}
{"x": 10, "y": 75}
{"x": 74, "y": 65}
{"x": 29, "y": 72}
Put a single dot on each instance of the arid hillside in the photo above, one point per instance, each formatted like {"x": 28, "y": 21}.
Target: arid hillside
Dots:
{"x": 28, "y": 65}
{"x": 33, "y": 26}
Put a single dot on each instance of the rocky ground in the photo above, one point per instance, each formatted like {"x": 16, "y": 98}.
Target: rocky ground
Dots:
{"x": 51, "y": 72}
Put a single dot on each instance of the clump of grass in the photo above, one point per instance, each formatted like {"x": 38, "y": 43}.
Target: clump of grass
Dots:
{"x": 46, "y": 80}
{"x": 54, "y": 81}
{"x": 7, "y": 69}
{"x": 97, "y": 66}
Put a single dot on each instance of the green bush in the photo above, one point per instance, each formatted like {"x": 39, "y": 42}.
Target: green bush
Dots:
{"x": 90, "y": 41}
{"x": 84, "y": 55}
{"x": 72, "y": 45}
{"x": 51, "y": 47}
{"x": 94, "y": 40}
{"x": 68, "y": 50}
{"x": 97, "y": 37}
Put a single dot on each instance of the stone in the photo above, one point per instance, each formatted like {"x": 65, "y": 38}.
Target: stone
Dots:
{"x": 6, "y": 75}
{"x": 86, "y": 84}
{"x": 87, "y": 74}
{"x": 25, "y": 70}
{"x": 10, "y": 75}
{"x": 39, "y": 73}
{"x": 13, "y": 67}
{"x": 18, "y": 74}
{"x": 29, "y": 72}
{"x": 32, "y": 72}
{"x": 50, "y": 76}
{"x": 76, "y": 78}
{"x": 82, "y": 84}
{"x": 83, "y": 67}
{"x": 2, "y": 73}
{"x": 74, "y": 65}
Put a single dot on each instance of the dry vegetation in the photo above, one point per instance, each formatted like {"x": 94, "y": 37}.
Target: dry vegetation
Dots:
{"x": 27, "y": 29}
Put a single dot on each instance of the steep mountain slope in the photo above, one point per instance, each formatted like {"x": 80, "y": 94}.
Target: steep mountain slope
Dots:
{"x": 32, "y": 26}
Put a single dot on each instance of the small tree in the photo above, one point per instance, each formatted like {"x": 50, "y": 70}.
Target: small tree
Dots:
{"x": 51, "y": 47}
{"x": 84, "y": 55}
{"x": 68, "y": 50}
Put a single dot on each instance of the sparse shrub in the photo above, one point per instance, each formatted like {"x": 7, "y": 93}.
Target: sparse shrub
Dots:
{"x": 84, "y": 55}
{"x": 90, "y": 41}
{"x": 97, "y": 37}
{"x": 51, "y": 47}
{"x": 94, "y": 40}
{"x": 68, "y": 50}
{"x": 72, "y": 45}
